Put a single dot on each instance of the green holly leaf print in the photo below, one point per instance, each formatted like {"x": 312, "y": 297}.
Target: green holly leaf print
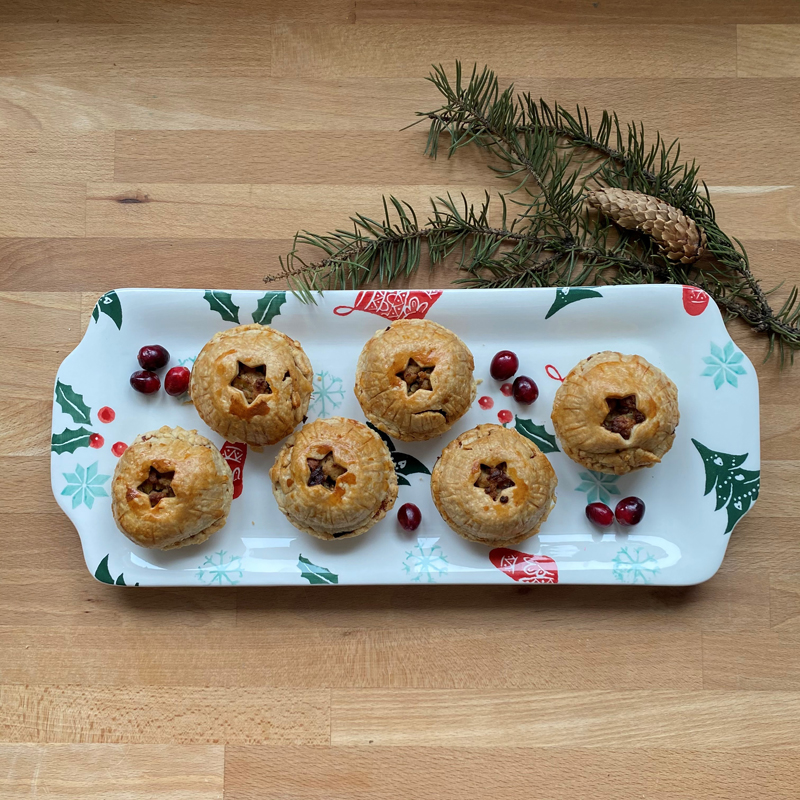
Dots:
{"x": 736, "y": 488}
{"x": 269, "y": 306}
{"x": 109, "y": 305}
{"x": 401, "y": 480}
{"x": 102, "y": 573}
{"x": 314, "y": 574}
{"x": 405, "y": 464}
{"x": 72, "y": 403}
{"x": 545, "y": 441}
{"x": 384, "y": 436}
{"x": 69, "y": 440}
{"x": 223, "y": 304}
{"x": 566, "y": 296}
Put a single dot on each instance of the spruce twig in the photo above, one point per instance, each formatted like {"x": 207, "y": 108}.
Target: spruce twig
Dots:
{"x": 553, "y": 157}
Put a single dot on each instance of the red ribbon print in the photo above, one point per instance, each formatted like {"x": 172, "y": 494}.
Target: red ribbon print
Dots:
{"x": 524, "y": 567}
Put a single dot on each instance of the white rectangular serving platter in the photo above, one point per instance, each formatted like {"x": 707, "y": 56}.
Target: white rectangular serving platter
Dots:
{"x": 694, "y": 497}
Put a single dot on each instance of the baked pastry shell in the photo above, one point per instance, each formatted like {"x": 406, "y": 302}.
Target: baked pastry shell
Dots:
{"x": 469, "y": 510}
{"x": 361, "y": 497}
{"x": 580, "y": 407}
{"x": 384, "y": 397}
{"x": 203, "y": 486}
{"x": 224, "y": 408}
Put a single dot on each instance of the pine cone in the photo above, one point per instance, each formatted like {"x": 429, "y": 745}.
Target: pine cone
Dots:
{"x": 678, "y": 236}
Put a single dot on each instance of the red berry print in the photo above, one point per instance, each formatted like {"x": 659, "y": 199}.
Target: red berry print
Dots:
{"x": 507, "y": 389}
{"x": 409, "y": 516}
{"x": 96, "y": 441}
{"x": 629, "y": 511}
{"x": 600, "y": 514}
{"x": 106, "y": 414}
{"x": 553, "y": 373}
{"x": 694, "y": 301}
{"x": 505, "y": 416}
{"x": 118, "y": 448}
{"x": 486, "y": 403}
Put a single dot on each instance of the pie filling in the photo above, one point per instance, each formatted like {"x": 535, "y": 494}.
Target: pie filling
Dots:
{"x": 622, "y": 415}
{"x": 157, "y": 486}
{"x": 251, "y": 381}
{"x": 416, "y": 377}
{"x": 324, "y": 471}
{"x": 494, "y": 480}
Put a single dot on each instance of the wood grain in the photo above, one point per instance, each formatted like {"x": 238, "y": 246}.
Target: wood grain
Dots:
{"x": 513, "y": 773}
{"x": 235, "y": 123}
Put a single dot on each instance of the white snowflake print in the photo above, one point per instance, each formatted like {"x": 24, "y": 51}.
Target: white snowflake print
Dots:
{"x": 220, "y": 570}
{"x": 636, "y": 566}
{"x": 425, "y": 559}
{"x": 328, "y": 394}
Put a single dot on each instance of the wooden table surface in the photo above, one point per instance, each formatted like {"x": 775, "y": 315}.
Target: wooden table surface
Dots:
{"x": 238, "y": 122}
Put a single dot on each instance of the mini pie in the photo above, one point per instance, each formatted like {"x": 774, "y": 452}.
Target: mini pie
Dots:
{"x": 493, "y": 486}
{"x": 616, "y": 413}
{"x": 171, "y": 488}
{"x": 414, "y": 379}
{"x": 334, "y": 478}
{"x": 252, "y": 384}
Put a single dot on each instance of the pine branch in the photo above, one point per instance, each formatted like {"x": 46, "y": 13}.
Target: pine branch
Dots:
{"x": 552, "y": 156}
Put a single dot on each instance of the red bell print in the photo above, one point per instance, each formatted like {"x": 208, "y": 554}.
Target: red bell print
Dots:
{"x": 524, "y": 567}
{"x": 392, "y": 305}
{"x": 694, "y": 301}
{"x": 235, "y": 454}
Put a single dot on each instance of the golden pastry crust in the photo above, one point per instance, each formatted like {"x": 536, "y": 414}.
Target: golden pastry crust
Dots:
{"x": 498, "y": 514}
{"x": 407, "y": 411}
{"x": 581, "y": 409}
{"x": 201, "y": 489}
{"x": 332, "y": 503}
{"x": 270, "y": 415}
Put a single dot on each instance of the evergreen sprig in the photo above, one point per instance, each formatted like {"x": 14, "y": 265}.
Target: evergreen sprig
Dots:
{"x": 553, "y": 156}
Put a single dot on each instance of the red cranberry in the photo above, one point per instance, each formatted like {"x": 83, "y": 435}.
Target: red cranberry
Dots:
{"x": 118, "y": 448}
{"x": 153, "y": 356}
{"x": 409, "y": 517}
{"x": 507, "y": 389}
{"x": 525, "y": 390}
{"x": 176, "y": 381}
{"x": 504, "y": 365}
{"x": 96, "y": 441}
{"x": 145, "y": 382}
{"x": 600, "y": 514}
{"x": 629, "y": 511}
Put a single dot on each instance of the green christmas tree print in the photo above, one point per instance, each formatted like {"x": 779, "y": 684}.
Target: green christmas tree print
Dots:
{"x": 736, "y": 488}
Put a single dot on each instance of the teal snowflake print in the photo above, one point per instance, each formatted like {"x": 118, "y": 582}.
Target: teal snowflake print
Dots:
{"x": 425, "y": 560}
{"x": 637, "y": 566}
{"x": 85, "y": 485}
{"x": 598, "y": 487}
{"x": 220, "y": 568}
{"x": 328, "y": 394}
{"x": 724, "y": 365}
{"x": 187, "y": 362}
